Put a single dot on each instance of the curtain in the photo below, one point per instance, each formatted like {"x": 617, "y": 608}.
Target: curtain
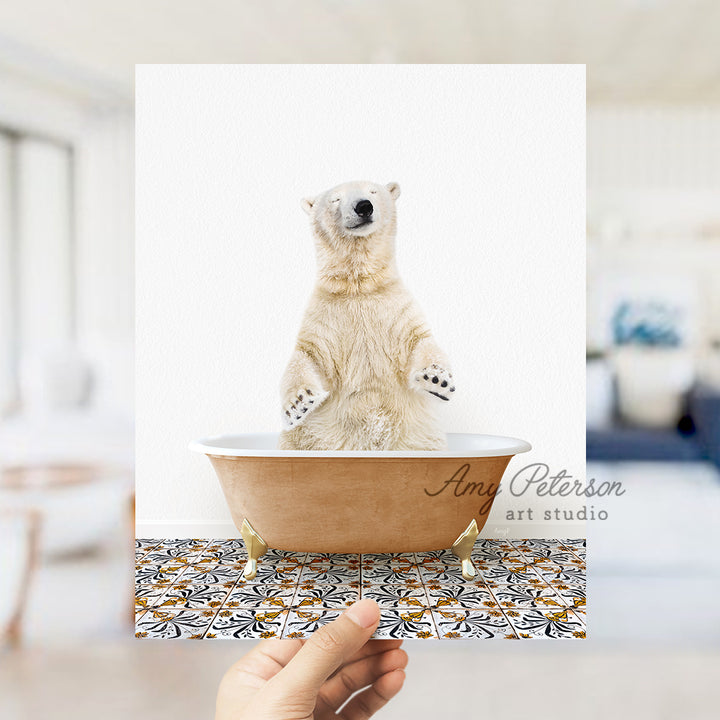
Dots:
{"x": 8, "y": 339}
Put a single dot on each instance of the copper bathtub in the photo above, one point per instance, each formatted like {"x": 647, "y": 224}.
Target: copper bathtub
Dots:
{"x": 359, "y": 502}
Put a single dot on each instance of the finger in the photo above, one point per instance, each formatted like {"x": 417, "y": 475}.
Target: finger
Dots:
{"x": 370, "y": 700}
{"x": 359, "y": 674}
{"x": 327, "y": 649}
{"x": 281, "y": 651}
{"x": 249, "y": 674}
{"x": 374, "y": 647}
{"x": 268, "y": 657}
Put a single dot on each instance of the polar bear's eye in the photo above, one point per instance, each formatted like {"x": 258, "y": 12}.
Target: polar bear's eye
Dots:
{"x": 335, "y": 200}
{"x": 373, "y": 192}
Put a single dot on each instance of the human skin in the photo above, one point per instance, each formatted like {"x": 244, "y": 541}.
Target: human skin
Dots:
{"x": 314, "y": 679}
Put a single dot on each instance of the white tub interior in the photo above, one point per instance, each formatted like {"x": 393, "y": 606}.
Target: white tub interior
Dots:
{"x": 265, "y": 445}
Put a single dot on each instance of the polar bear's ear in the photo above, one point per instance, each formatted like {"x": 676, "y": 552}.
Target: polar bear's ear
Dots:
{"x": 308, "y": 204}
{"x": 394, "y": 190}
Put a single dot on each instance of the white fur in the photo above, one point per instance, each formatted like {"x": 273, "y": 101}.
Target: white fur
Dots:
{"x": 364, "y": 354}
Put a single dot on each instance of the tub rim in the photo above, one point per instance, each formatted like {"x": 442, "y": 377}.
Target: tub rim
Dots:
{"x": 221, "y": 445}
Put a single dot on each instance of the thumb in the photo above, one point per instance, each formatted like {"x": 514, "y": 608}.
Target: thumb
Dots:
{"x": 327, "y": 649}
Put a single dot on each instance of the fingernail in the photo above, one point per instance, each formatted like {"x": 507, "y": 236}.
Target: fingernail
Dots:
{"x": 364, "y": 613}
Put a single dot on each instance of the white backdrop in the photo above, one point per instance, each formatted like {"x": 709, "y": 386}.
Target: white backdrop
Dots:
{"x": 491, "y": 241}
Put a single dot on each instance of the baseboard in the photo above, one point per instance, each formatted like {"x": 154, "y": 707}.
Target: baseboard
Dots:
{"x": 496, "y": 531}
{"x": 172, "y": 531}
{"x": 538, "y": 531}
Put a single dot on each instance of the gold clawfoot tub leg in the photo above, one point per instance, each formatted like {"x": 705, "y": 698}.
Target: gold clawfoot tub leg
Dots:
{"x": 256, "y": 548}
{"x": 462, "y": 548}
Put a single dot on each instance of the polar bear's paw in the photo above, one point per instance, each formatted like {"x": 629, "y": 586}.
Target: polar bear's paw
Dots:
{"x": 300, "y": 404}
{"x": 435, "y": 380}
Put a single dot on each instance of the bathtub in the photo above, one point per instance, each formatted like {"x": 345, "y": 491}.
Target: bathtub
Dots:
{"x": 359, "y": 502}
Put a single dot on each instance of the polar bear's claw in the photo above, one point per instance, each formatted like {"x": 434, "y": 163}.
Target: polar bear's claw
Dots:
{"x": 435, "y": 380}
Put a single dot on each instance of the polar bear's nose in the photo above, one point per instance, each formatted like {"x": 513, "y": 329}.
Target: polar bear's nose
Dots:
{"x": 364, "y": 209}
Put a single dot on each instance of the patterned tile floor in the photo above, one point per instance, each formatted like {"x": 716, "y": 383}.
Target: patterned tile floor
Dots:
{"x": 524, "y": 589}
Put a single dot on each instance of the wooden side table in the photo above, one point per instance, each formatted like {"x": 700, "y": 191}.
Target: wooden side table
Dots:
{"x": 28, "y": 527}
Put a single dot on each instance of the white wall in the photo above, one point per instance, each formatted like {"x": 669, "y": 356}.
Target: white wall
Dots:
{"x": 491, "y": 161}
{"x": 654, "y": 215}
{"x": 106, "y": 255}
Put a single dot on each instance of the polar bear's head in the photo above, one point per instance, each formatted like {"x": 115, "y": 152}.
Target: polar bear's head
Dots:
{"x": 354, "y": 210}
{"x": 354, "y": 227}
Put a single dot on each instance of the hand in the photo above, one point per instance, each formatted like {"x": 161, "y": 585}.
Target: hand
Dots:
{"x": 313, "y": 679}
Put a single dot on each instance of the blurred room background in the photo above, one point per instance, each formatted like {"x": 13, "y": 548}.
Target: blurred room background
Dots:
{"x": 66, "y": 340}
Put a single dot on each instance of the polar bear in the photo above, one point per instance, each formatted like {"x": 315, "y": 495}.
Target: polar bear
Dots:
{"x": 365, "y": 371}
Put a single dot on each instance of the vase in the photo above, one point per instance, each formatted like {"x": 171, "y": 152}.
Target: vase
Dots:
{"x": 652, "y": 383}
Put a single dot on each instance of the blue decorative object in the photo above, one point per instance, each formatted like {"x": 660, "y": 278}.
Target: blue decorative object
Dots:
{"x": 652, "y": 323}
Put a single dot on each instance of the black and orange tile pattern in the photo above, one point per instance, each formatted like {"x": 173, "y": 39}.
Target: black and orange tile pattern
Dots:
{"x": 524, "y": 589}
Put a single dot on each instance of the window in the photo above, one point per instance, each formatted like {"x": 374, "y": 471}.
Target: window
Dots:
{"x": 37, "y": 254}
